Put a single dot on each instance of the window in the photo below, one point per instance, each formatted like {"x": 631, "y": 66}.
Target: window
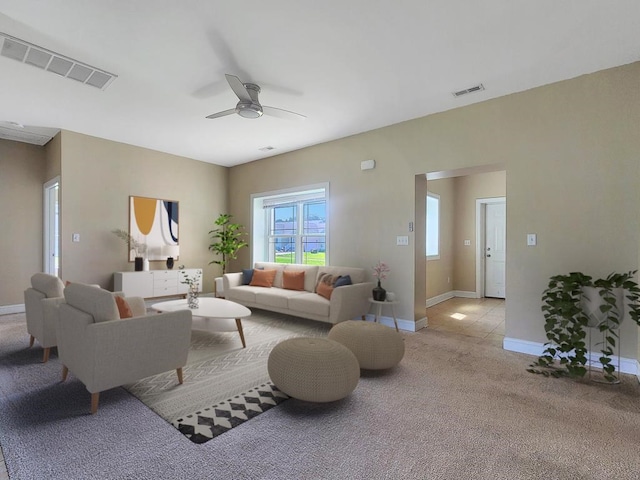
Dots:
{"x": 433, "y": 226}
{"x": 291, "y": 227}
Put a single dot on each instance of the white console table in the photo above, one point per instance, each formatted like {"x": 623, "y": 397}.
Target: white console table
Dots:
{"x": 154, "y": 283}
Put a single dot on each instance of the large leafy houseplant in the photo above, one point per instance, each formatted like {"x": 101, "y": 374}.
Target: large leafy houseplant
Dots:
{"x": 227, "y": 240}
{"x": 568, "y": 312}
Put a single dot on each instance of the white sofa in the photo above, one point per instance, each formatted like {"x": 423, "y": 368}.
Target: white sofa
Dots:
{"x": 346, "y": 303}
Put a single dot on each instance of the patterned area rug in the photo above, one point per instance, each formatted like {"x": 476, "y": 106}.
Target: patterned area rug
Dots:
{"x": 224, "y": 385}
{"x": 210, "y": 422}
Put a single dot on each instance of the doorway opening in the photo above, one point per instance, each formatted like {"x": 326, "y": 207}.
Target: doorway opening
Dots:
{"x": 467, "y": 199}
{"x": 51, "y": 241}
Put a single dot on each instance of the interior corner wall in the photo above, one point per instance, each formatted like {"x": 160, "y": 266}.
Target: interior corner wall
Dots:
{"x": 571, "y": 155}
{"x": 439, "y": 271}
{"x": 98, "y": 176}
{"x": 470, "y": 188}
{"x": 22, "y": 174}
{"x": 420, "y": 247}
{"x": 53, "y": 154}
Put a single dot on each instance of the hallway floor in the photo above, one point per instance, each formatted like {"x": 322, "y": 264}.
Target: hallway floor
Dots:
{"x": 473, "y": 317}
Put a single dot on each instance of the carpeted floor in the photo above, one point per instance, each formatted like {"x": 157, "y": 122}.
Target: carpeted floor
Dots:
{"x": 455, "y": 408}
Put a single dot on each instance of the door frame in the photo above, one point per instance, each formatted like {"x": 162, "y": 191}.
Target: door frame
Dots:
{"x": 49, "y": 227}
{"x": 480, "y": 240}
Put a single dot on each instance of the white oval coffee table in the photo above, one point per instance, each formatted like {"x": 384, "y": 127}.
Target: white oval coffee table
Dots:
{"x": 209, "y": 307}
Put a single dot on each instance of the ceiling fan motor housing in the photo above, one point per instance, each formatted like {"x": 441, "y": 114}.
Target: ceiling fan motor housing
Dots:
{"x": 251, "y": 109}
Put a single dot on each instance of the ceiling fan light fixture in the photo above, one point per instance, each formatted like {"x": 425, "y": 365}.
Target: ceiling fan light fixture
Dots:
{"x": 249, "y": 110}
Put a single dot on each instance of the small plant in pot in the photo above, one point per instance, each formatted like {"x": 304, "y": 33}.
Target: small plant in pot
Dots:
{"x": 227, "y": 240}
{"x": 571, "y": 304}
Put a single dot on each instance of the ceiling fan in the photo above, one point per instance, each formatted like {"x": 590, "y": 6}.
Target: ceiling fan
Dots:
{"x": 249, "y": 106}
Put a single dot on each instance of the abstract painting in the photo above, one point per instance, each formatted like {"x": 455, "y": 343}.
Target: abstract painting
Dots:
{"x": 154, "y": 222}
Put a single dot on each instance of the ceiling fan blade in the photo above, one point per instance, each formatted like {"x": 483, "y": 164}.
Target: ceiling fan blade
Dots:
{"x": 280, "y": 113}
{"x": 223, "y": 113}
{"x": 238, "y": 87}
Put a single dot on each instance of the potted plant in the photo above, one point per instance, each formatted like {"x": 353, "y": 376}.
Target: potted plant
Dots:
{"x": 227, "y": 240}
{"x": 571, "y": 304}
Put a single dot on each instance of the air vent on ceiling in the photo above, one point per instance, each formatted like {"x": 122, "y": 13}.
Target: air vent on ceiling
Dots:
{"x": 267, "y": 148}
{"x": 475, "y": 88}
{"x": 31, "y": 54}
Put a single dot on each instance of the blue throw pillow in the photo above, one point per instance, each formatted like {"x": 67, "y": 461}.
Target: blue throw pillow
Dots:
{"x": 342, "y": 281}
{"x": 247, "y": 275}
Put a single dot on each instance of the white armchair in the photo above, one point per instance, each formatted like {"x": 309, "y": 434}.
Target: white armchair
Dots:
{"x": 41, "y": 302}
{"x": 104, "y": 352}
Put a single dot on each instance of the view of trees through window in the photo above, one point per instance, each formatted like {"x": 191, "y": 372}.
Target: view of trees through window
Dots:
{"x": 297, "y": 232}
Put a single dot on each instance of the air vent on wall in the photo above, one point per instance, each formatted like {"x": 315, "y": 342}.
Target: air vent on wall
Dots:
{"x": 475, "y": 88}
{"x": 31, "y": 54}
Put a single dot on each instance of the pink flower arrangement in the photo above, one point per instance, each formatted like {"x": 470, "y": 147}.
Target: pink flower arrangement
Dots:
{"x": 380, "y": 270}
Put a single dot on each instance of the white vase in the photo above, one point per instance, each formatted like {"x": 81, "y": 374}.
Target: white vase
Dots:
{"x": 145, "y": 265}
{"x": 592, "y": 301}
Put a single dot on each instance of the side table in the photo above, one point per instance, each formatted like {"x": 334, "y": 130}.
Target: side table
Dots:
{"x": 379, "y": 309}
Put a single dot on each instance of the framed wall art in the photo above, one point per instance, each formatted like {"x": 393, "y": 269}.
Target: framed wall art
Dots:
{"x": 154, "y": 223}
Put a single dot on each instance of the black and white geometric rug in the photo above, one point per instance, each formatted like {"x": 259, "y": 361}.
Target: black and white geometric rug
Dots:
{"x": 208, "y": 423}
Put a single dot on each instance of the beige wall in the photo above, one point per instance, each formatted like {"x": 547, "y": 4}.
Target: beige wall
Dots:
{"x": 469, "y": 188}
{"x": 571, "y": 156}
{"x": 53, "y": 154}
{"x": 22, "y": 174}
{"x": 98, "y": 176}
{"x": 440, "y": 276}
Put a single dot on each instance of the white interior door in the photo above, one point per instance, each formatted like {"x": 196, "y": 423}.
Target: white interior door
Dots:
{"x": 52, "y": 227}
{"x": 495, "y": 249}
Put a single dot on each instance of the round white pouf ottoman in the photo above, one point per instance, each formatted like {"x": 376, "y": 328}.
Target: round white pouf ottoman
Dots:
{"x": 313, "y": 369}
{"x": 376, "y": 346}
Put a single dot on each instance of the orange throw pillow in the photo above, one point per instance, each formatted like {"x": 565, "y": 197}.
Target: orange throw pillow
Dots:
{"x": 293, "y": 279}
{"x": 123, "y": 308}
{"x": 324, "y": 290}
{"x": 263, "y": 278}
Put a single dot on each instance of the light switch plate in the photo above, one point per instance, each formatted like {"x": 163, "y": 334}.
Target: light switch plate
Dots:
{"x": 402, "y": 240}
{"x": 75, "y": 237}
{"x": 467, "y": 243}
{"x": 532, "y": 239}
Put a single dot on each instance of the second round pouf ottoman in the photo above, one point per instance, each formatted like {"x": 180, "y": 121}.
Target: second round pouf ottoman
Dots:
{"x": 376, "y": 346}
{"x": 313, "y": 369}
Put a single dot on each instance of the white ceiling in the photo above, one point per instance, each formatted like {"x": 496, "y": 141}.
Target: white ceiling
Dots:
{"x": 349, "y": 66}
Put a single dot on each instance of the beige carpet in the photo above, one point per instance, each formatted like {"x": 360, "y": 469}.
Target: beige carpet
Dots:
{"x": 454, "y": 408}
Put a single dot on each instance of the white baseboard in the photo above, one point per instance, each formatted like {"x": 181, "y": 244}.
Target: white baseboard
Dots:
{"x": 9, "y": 309}
{"x": 439, "y": 298}
{"x": 627, "y": 365}
{"x": 447, "y": 295}
{"x": 463, "y": 294}
{"x": 403, "y": 324}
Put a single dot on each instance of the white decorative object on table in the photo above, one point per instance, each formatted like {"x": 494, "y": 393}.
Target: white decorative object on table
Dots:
{"x": 194, "y": 285}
